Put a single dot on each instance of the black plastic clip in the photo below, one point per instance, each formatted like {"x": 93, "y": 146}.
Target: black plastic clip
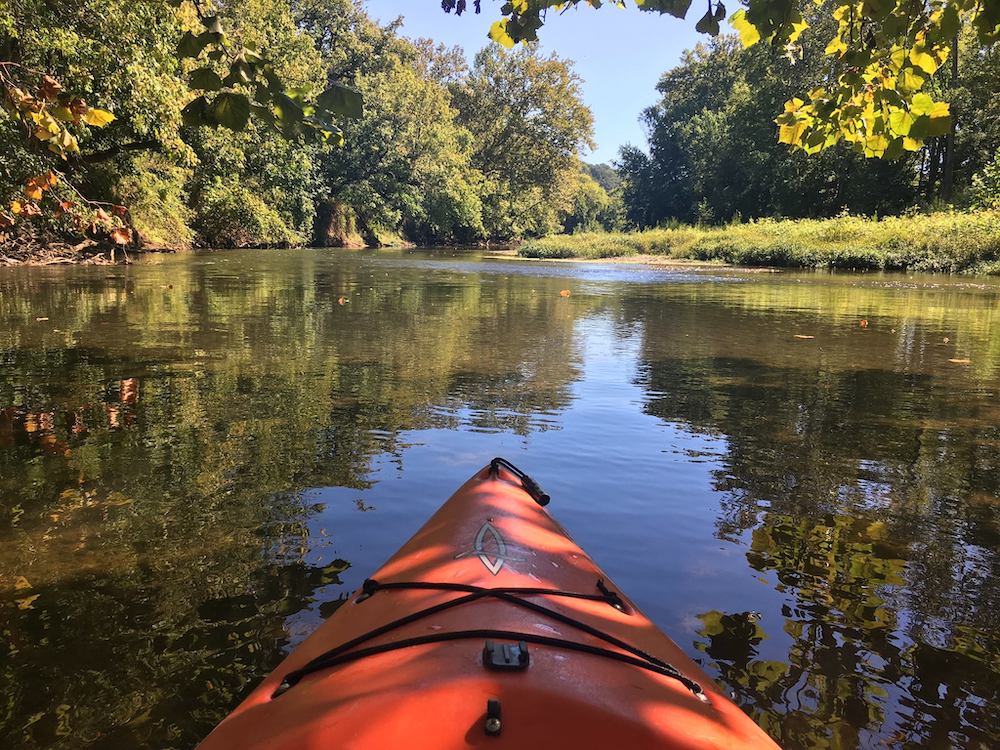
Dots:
{"x": 508, "y": 657}
{"x": 612, "y": 596}
{"x": 369, "y": 587}
{"x": 493, "y": 724}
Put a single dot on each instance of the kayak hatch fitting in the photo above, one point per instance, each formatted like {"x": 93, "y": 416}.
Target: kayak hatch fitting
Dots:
{"x": 506, "y": 657}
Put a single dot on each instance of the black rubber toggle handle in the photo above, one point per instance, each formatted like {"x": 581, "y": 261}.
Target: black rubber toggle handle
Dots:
{"x": 530, "y": 486}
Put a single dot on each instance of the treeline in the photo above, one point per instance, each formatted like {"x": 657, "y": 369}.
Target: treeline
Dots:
{"x": 444, "y": 151}
{"x": 713, "y": 156}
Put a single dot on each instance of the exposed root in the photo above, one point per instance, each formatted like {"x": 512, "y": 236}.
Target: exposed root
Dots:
{"x": 22, "y": 250}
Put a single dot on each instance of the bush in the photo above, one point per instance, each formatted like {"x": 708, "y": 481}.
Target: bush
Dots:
{"x": 157, "y": 200}
{"x": 230, "y": 215}
{"x": 948, "y": 242}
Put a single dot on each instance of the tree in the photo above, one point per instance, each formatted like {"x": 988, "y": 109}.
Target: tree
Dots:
{"x": 530, "y": 122}
{"x": 882, "y": 57}
{"x": 605, "y": 176}
{"x": 712, "y": 153}
{"x": 147, "y": 60}
{"x": 407, "y": 162}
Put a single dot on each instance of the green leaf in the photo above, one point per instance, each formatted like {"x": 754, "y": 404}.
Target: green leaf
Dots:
{"x": 287, "y": 112}
{"x": 213, "y": 24}
{"x": 239, "y": 73}
{"x": 675, "y": 8}
{"x": 264, "y": 113}
{"x": 708, "y": 24}
{"x": 900, "y": 121}
{"x": 205, "y": 79}
{"x": 192, "y": 46}
{"x": 195, "y": 113}
{"x": 921, "y": 104}
{"x": 341, "y": 100}
{"x": 274, "y": 83}
{"x": 230, "y": 110}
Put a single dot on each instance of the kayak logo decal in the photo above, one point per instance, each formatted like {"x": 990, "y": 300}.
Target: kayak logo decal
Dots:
{"x": 490, "y": 547}
{"x": 479, "y": 547}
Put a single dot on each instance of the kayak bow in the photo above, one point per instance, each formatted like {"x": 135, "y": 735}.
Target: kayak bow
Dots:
{"x": 489, "y": 628}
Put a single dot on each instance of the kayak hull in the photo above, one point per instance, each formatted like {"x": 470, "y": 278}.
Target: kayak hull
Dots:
{"x": 576, "y": 690}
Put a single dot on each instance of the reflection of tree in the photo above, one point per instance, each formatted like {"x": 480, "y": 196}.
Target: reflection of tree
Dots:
{"x": 150, "y": 433}
{"x": 870, "y": 494}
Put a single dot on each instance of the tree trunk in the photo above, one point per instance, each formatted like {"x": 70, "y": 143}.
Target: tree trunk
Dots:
{"x": 948, "y": 181}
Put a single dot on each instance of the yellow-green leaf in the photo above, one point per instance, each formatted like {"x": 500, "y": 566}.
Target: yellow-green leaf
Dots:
{"x": 791, "y": 134}
{"x": 498, "y": 33}
{"x": 749, "y": 35}
{"x": 97, "y": 118}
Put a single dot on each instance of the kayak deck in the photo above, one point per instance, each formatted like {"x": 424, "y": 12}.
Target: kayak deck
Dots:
{"x": 490, "y": 627}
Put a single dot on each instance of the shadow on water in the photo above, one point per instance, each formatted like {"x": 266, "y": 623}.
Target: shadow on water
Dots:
{"x": 199, "y": 456}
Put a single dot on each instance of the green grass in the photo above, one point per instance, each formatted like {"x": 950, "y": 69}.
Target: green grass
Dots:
{"x": 943, "y": 242}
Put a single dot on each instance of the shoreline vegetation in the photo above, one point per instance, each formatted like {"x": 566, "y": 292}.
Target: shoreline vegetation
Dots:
{"x": 947, "y": 242}
{"x": 152, "y": 126}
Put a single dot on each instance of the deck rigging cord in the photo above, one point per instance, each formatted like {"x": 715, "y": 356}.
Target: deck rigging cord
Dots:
{"x": 346, "y": 652}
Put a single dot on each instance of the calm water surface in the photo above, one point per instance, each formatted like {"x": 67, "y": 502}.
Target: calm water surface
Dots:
{"x": 199, "y": 455}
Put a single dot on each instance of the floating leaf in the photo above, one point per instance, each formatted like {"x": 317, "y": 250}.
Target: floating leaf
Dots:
{"x": 803, "y": 336}
{"x": 21, "y": 583}
{"x": 196, "y": 112}
{"x": 498, "y": 33}
{"x": 708, "y": 24}
{"x": 749, "y": 35}
{"x": 564, "y": 293}
{"x": 27, "y": 602}
{"x": 50, "y": 88}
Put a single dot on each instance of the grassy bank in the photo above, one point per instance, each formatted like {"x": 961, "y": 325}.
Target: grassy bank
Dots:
{"x": 946, "y": 242}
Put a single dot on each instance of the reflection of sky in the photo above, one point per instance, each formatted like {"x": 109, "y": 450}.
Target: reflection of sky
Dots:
{"x": 622, "y": 482}
{"x": 607, "y": 272}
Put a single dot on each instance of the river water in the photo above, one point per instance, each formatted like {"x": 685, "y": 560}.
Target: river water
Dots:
{"x": 797, "y": 476}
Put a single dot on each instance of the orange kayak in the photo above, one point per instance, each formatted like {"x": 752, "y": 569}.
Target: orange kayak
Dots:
{"x": 489, "y": 628}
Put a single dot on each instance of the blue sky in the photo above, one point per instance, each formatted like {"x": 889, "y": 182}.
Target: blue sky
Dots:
{"x": 620, "y": 54}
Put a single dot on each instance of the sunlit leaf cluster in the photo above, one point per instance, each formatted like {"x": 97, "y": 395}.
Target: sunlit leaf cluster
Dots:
{"x": 45, "y": 111}
{"x": 883, "y": 56}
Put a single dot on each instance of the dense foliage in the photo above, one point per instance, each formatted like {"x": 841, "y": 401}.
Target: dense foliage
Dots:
{"x": 882, "y": 54}
{"x": 281, "y": 122}
{"x": 949, "y": 242}
{"x": 713, "y": 157}
{"x": 242, "y": 124}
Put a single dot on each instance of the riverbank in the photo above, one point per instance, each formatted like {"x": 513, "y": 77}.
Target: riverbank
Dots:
{"x": 945, "y": 242}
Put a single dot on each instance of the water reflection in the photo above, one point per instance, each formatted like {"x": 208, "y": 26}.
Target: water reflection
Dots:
{"x": 200, "y": 455}
{"x": 868, "y": 490}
